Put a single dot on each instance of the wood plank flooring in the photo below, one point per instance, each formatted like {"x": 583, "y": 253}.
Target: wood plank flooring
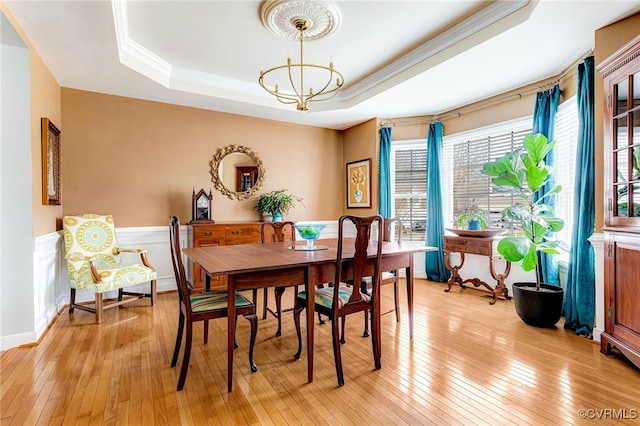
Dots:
{"x": 470, "y": 363}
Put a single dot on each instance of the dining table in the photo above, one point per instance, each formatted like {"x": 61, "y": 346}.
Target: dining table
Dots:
{"x": 279, "y": 264}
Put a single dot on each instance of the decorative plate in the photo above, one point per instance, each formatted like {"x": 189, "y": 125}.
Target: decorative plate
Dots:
{"x": 483, "y": 233}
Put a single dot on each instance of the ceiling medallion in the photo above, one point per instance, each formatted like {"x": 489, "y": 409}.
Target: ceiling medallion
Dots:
{"x": 301, "y": 20}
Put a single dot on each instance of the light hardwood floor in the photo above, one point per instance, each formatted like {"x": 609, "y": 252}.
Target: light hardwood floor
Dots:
{"x": 470, "y": 363}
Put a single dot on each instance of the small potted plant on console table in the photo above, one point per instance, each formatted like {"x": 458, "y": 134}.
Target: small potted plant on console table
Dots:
{"x": 274, "y": 204}
{"x": 524, "y": 172}
{"x": 473, "y": 219}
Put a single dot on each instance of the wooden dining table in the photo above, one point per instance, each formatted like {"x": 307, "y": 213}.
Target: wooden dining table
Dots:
{"x": 255, "y": 266}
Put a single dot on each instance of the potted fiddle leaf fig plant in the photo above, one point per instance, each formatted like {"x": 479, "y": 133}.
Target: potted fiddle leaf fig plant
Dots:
{"x": 523, "y": 172}
{"x": 473, "y": 219}
{"x": 276, "y": 204}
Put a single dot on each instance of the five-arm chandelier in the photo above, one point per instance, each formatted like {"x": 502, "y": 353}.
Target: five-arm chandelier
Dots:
{"x": 305, "y": 20}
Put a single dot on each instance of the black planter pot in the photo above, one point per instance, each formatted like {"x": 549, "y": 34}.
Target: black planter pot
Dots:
{"x": 538, "y": 308}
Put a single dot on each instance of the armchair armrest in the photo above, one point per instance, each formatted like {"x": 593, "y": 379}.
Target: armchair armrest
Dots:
{"x": 142, "y": 252}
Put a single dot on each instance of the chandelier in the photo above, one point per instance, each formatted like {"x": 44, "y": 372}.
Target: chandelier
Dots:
{"x": 293, "y": 74}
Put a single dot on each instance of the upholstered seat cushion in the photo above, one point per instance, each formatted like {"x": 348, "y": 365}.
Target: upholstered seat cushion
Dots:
{"x": 324, "y": 296}
{"x": 202, "y": 302}
{"x": 112, "y": 276}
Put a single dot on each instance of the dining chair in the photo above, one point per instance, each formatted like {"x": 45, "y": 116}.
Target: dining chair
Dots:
{"x": 94, "y": 264}
{"x": 340, "y": 300}
{"x": 392, "y": 231}
{"x": 277, "y": 232}
{"x": 202, "y": 307}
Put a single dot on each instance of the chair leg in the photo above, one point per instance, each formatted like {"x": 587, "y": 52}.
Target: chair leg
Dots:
{"x": 176, "y": 350}
{"x": 335, "y": 332}
{"x": 154, "y": 292}
{"x": 253, "y": 320}
{"x": 264, "y": 303}
{"x": 343, "y": 323}
{"x": 72, "y": 300}
{"x": 186, "y": 356}
{"x": 375, "y": 340}
{"x": 235, "y": 336}
{"x": 278, "y": 292}
{"x": 320, "y": 320}
{"x": 365, "y": 333}
{"x": 99, "y": 308}
{"x": 396, "y": 297}
{"x": 297, "y": 310}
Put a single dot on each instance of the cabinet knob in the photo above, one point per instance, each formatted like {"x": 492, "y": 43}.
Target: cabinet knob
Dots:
{"x": 208, "y": 233}
{"x": 235, "y": 231}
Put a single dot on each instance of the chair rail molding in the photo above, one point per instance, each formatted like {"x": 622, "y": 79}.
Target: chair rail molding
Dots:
{"x": 51, "y": 289}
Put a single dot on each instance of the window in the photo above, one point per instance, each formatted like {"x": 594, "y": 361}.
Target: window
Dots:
{"x": 409, "y": 187}
{"x": 463, "y": 184}
{"x": 565, "y": 168}
{"x": 466, "y": 153}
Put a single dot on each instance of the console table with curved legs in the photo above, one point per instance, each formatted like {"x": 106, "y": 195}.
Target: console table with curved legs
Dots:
{"x": 479, "y": 246}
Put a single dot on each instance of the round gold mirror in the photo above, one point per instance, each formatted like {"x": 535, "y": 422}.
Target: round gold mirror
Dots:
{"x": 237, "y": 172}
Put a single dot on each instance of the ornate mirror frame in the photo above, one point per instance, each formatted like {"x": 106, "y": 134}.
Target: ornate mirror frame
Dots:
{"x": 215, "y": 171}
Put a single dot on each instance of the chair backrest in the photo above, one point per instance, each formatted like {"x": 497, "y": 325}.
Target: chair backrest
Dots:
{"x": 89, "y": 235}
{"x": 360, "y": 252}
{"x": 281, "y": 231}
{"x": 176, "y": 260}
{"x": 388, "y": 234}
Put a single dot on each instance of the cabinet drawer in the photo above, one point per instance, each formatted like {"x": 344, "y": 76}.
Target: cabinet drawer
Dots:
{"x": 481, "y": 246}
{"x": 242, "y": 234}
{"x": 202, "y": 232}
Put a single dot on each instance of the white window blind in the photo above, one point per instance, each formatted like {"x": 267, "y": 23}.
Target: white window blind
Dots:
{"x": 565, "y": 166}
{"x": 409, "y": 187}
{"x": 469, "y": 151}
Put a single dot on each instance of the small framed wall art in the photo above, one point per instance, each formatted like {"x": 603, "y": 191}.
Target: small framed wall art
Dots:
{"x": 359, "y": 184}
{"x": 51, "y": 179}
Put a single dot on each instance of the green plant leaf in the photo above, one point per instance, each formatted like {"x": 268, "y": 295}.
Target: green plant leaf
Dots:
{"x": 536, "y": 177}
{"x": 530, "y": 260}
{"x": 555, "y": 223}
{"x": 520, "y": 212}
{"x": 537, "y": 146}
{"x": 514, "y": 249}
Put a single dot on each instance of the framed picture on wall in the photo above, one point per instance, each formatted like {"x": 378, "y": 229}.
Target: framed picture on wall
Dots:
{"x": 359, "y": 184}
{"x": 51, "y": 185}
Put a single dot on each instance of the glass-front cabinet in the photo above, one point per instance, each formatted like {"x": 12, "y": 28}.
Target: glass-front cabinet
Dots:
{"x": 622, "y": 144}
{"x": 621, "y": 73}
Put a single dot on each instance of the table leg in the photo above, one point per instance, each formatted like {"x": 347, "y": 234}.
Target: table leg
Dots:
{"x": 455, "y": 275}
{"x": 310, "y": 289}
{"x": 207, "y": 287}
{"x": 501, "y": 289}
{"x": 231, "y": 329}
{"x": 409, "y": 279}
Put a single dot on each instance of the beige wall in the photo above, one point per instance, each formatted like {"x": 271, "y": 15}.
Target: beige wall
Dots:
{"x": 45, "y": 102}
{"x": 140, "y": 160}
{"x": 607, "y": 41}
{"x": 361, "y": 142}
{"x": 504, "y": 107}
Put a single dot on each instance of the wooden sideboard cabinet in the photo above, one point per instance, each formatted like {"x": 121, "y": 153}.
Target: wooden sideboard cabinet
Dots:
{"x": 621, "y": 73}
{"x": 221, "y": 234}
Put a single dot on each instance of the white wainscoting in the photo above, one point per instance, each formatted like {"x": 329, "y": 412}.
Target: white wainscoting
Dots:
{"x": 51, "y": 289}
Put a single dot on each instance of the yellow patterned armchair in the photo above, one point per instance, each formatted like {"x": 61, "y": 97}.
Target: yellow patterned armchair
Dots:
{"x": 93, "y": 262}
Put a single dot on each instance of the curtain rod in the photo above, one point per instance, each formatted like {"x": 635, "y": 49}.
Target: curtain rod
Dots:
{"x": 540, "y": 88}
